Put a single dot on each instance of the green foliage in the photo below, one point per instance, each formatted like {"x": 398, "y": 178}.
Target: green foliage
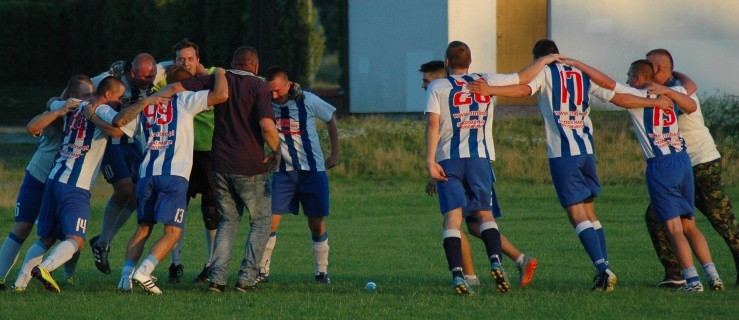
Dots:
{"x": 721, "y": 113}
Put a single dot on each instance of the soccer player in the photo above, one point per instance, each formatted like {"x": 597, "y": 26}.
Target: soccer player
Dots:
{"x": 243, "y": 124}
{"x": 168, "y": 134}
{"x": 669, "y": 175}
{"x": 526, "y": 265}
{"x": 122, "y": 157}
{"x": 65, "y": 208}
{"x": 301, "y": 177}
{"x": 187, "y": 54}
{"x": 564, "y": 103}
{"x": 459, "y": 146}
{"x": 710, "y": 197}
{"x": 49, "y": 127}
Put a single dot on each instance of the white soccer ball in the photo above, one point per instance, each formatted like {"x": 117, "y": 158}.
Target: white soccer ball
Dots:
{"x": 370, "y": 286}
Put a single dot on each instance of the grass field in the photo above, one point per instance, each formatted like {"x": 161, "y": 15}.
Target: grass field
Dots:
{"x": 385, "y": 229}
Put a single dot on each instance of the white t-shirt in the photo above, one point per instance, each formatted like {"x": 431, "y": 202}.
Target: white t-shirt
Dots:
{"x": 466, "y": 120}
{"x": 700, "y": 145}
{"x": 564, "y": 103}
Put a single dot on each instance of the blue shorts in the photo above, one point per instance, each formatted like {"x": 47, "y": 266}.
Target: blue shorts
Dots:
{"x": 469, "y": 185}
{"x": 121, "y": 161}
{"x": 65, "y": 211}
{"x": 670, "y": 186}
{"x": 574, "y": 178}
{"x": 162, "y": 199}
{"x": 470, "y": 217}
{"x": 28, "y": 204}
{"x": 308, "y": 189}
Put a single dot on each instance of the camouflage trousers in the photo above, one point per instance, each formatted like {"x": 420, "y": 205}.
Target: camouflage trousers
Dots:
{"x": 712, "y": 201}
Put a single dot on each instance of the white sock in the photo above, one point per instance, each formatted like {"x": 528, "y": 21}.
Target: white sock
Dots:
{"x": 177, "y": 250}
{"x": 267, "y": 255}
{"x": 147, "y": 266}
{"x": 33, "y": 257}
{"x": 110, "y": 215}
{"x": 210, "y": 237}
{"x": 710, "y": 270}
{"x": 519, "y": 260}
{"x": 61, "y": 254}
{"x": 320, "y": 253}
{"x": 9, "y": 253}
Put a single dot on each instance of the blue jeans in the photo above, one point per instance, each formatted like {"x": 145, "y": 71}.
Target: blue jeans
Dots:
{"x": 233, "y": 193}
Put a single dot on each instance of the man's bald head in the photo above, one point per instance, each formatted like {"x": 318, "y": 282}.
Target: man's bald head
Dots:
{"x": 246, "y": 58}
{"x": 143, "y": 71}
{"x": 663, "y": 64}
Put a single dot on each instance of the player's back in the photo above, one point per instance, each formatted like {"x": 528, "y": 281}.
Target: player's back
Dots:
{"x": 656, "y": 129}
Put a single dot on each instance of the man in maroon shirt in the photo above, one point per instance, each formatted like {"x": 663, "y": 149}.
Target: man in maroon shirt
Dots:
{"x": 242, "y": 125}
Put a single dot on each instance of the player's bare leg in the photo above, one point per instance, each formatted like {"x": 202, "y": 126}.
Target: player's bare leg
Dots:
{"x": 578, "y": 215}
{"x": 467, "y": 266}
{"x": 702, "y": 252}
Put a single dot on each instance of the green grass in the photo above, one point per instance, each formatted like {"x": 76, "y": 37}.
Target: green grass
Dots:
{"x": 385, "y": 229}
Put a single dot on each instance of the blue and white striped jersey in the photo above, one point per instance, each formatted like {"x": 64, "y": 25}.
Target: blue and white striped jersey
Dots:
{"x": 564, "y": 103}
{"x": 81, "y": 151}
{"x": 167, "y": 133}
{"x": 296, "y": 124}
{"x": 656, "y": 129}
{"x": 47, "y": 148}
{"x": 466, "y": 120}
{"x": 130, "y": 96}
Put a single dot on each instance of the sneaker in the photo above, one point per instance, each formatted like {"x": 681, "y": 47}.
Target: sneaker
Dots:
{"x": 175, "y": 273}
{"x": 146, "y": 283}
{"x": 125, "y": 285}
{"x": 473, "y": 281}
{"x": 672, "y": 283}
{"x": 496, "y": 270}
{"x": 263, "y": 277}
{"x": 605, "y": 282}
{"x": 214, "y": 287}
{"x": 44, "y": 276}
{"x": 323, "y": 278}
{"x": 526, "y": 270}
{"x": 100, "y": 253}
{"x": 716, "y": 284}
{"x": 243, "y": 287}
{"x": 462, "y": 287}
{"x": 695, "y": 286}
{"x": 18, "y": 289}
{"x": 203, "y": 276}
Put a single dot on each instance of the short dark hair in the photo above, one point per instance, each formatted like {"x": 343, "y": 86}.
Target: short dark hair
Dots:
{"x": 644, "y": 68}
{"x": 108, "y": 84}
{"x": 544, "y": 47}
{"x": 185, "y": 43}
{"x": 663, "y": 52}
{"x": 274, "y": 72}
{"x": 245, "y": 56}
{"x": 459, "y": 55}
{"x": 76, "y": 83}
{"x": 177, "y": 73}
{"x": 432, "y": 66}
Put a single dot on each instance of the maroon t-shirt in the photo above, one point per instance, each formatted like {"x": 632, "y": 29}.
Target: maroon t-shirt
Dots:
{"x": 238, "y": 145}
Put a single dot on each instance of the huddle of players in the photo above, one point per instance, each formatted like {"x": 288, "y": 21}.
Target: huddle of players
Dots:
{"x": 145, "y": 144}
{"x": 459, "y": 147}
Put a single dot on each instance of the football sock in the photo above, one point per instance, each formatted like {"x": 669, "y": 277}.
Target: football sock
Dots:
{"x": 320, "y": 252}
{"x": 589, "y": 239}
{"x": 33, "y": 257}
{"x": 491, "y": 237}
{"x": 61, "y": 254}
{"x": 691, "y": 275}
{"x": 267, "y": 256}
{"x": 147, "y": 266}
{"x": 177, "y": 250}
{"x": 71, "y": 266}
{"x": 519, "y": 260}
{"x": 210, "y": 237}
{"x": 128, "y": 267}
{"x": 110, "y": 215}
{"x": 602, "y": 237}
{"x": 9, "y": 253}
{"x": 710, "y": 270}
{"x": 453, "y": 251}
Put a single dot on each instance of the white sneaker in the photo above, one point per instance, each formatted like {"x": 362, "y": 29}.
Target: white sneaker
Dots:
{"x": 696, "y": 286}
{"x": 146, "y": 283}
{"x": 472, "y": 280}
{"x": 125, "y": 285}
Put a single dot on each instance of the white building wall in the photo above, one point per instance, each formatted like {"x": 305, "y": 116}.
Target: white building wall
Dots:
{"x": 475, "y": 25}
{"x": 702, "y": 36}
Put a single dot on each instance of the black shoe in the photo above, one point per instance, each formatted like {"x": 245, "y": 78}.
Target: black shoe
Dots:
{"x": 263, "y": 277}
{"x": 100, "y": 253}
{"x": 175, "y": 273}
{"x": 243, "y": 287}
{"x": 323, "y": 278}
{"x": 204, "y": 276}
{"x": 218, "y": 288}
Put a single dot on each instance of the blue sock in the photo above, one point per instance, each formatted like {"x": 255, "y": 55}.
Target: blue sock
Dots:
{"x": 491, "y": 238}
{"x": 602, "y": 237}
{"x": 589, "y": 239}
{"x": 453, "y": 251}
{"x": 691, "y": 275}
